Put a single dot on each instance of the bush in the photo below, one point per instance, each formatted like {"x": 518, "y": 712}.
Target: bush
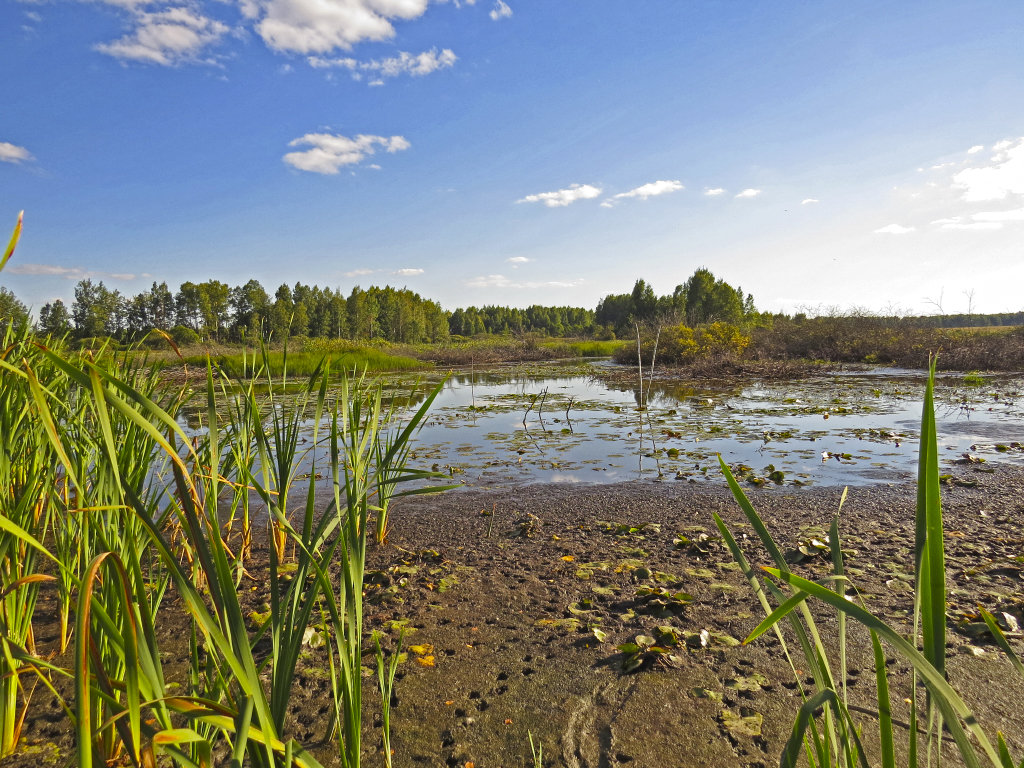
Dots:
{"x": 183, "y": 335}
{"x": 682, "y": 345}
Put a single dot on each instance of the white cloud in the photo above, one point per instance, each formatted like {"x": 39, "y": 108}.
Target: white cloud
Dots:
{"x": 415, "y": 65}
{"x": 1017, "y": 214}
{"x": 652, "y": 189}
{"x": 893, "y": 229}
{"x": 516, "y": 261}
{"x": 328, "y": 152}
{"x": 168, "y": 37}
{"x": 319, "y": 62}
{"x": 70, "y": 273}
{"x": 976, "y": 225}
{"x": 713, "y": 191}
{"x": 501, "y": 11}
{"x": 749, "y": 193}
{"x": 358, "y": 272}
{"x": 986, "y": 222}
{"x": 809, "y": 201}
{"x": 1003, "y": 176}
{"x": 409, "y": 272}
{"x": 319, "y": 26}
{"x": 500, "y": 281}
{"x": 12, "y": 153}
{"x": 975, "y": 149}
{"x": 563, "y": 197}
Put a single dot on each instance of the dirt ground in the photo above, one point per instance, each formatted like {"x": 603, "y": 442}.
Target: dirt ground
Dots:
{"x": 514, "y": 604}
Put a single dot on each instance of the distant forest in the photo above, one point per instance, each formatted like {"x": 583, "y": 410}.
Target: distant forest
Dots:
{"x": 215, "y": 311}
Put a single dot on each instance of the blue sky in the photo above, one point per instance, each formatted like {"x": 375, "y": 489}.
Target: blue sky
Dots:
{"x": 818, "y": 154}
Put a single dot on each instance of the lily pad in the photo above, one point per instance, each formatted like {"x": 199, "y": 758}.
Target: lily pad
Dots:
{"x": 745, "y": 722}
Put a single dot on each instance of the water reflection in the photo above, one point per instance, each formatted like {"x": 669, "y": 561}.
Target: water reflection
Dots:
{"x": 510, "y": 427}
{"x": 514, "y": 426}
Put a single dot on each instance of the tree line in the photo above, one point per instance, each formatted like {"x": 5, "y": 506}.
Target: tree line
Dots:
{"x": 215, "y": 311}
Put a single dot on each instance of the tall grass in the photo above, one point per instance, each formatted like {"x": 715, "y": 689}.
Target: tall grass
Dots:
{"x": 104, "y": 492}
{"x": 834, "y": 738}
{"x": 306, "y": 363}
{"x": 592, "y": 348}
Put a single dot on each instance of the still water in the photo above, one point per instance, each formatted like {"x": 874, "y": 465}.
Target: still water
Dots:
{"x": 573, "y": 425}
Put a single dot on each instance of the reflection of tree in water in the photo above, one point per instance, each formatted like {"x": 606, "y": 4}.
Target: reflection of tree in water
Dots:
{"x": 661, "y": 393}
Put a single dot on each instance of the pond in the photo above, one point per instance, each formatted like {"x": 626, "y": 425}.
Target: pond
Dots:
{"x": 572, "y": 424}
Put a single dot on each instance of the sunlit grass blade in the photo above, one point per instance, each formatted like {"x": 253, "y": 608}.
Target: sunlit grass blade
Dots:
{"x": 13, "y": 243}
{"x": 885, "y": 735}
{"x": 1001, "y": 641}
{"x": 948, "y": 701}
{"x": 929, "y": 545}
{"x": 805, "y": 717}
{"x": 805, "y": 627}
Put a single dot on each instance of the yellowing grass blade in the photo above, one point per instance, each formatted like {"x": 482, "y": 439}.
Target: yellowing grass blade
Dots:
{"x": 15, "y": 236}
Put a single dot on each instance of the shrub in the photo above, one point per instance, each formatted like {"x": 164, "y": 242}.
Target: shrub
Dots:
{"x": 682, "y": 345}
{"x": 183, "y": 335}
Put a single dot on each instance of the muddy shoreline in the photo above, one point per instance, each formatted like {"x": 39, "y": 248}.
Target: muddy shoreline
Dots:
{"x": 501, "y": 592}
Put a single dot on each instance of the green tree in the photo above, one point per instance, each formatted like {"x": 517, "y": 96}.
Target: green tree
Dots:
{"x": 188, "y": 306}
{"x": 250, "y": 308}
{"x": 213, "y": 303}
{"x": 97, "y": 311}
{"x": 12, "y": 309}
{"x": 709, "y": 300}
{"x": 54, "y": 319}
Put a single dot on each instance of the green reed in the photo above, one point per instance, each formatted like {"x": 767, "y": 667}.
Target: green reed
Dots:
{"x": 103, "y": 491}
{"x": 833, "y": 738}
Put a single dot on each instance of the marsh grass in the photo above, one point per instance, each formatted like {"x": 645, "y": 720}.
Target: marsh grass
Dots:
{"x": 306, "y": 363}
{"x": 594, "y": 348}
{"x": 826, "y": 729}
{"x": 104, "y": 493}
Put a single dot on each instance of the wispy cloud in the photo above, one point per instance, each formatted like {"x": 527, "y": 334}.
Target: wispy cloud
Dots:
{"x": 168, "y": 37}
{"x": 983, "y": 226}
{"x": 563, "y": 197}
{"x": 516, "y": 261}
{"x": 713, "y": 191}
{"x": 500, "y": 281}
{"x": 982, "y": 221}
{"x": 894, "y": 229}
{"x": 749, "y": 192}
{"x": 651, "y": 189}
{"x": 359, "y": 272}
{"x": 307, "y": 27}
{"x": 809, "y": 201}
{"x": 975, "y": 149}
{"x": 71, "y": 273}
{"x": 12, "y": 153}
{"x": 1016, "y": 214}
{"x": 412, "y": 64}
{"x": 1001, "y": 177}
{"x": 408, "y": 271}
{"x": 328, "y": 152}
{"x": 501, "y": 11}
